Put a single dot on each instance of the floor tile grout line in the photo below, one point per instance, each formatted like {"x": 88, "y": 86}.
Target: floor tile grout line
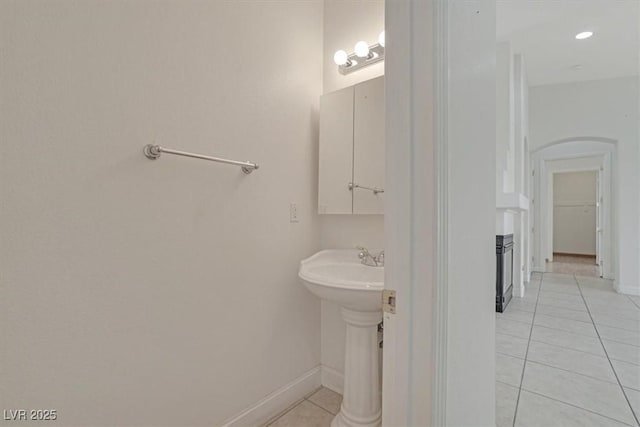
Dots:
{"x": 633, "y": 301}
{"x": 555, "y": 317}
{"x": 572, "y": 349}
{"x": 512, "y": 320}
{"x": 564, "y": 330}
{"x": 572, "y": 372}
{"x": 324, "y": 409}
{"x": 507, "y": 384}
{"x": 576, "y": 406}
{"x": 508, "y": 355}
{"x": 526, "y": 353}
{"x": 635, "y": 319}
{"x": 284, "y": 412}
{"x": 564, "y": 318}
{"x": 624, "y": 361}
{"x": 622, "y": 342}
{"x": 511, "y": 335}
{"x": 559, "y": 299}
{"x": 568, "y": 348}
{"x": 563, "y": 308}
{"x": 294, "y": 406}
{"x": 618, "y": 315}
{"x": 610, "y": 363}
{"x": 622, "y": 329}
{"x": 624, "y": 308}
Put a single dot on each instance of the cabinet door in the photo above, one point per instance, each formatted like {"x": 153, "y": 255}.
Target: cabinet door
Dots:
{"x": 369, "y": 147}
{"x": 335, "y": 168}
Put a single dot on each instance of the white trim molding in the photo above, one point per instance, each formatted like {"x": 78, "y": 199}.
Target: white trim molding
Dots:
{"x": 332, "y": 379}
{"x": 626, "y": 289}
{"x": 410, "y": 213}
{"x": 278, "y": 401}
{"x": 440, "y": 312}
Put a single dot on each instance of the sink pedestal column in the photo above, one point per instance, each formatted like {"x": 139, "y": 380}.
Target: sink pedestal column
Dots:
{"x": 362, "y": 400}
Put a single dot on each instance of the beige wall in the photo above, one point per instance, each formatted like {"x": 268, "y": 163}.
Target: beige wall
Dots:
{"x": 345, "y": 23}
{"x": 574, "y": 213}
{"x": 156, "y": 293}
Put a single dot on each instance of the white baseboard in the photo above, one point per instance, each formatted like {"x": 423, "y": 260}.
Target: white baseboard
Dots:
{"x": 278, "y": 401}
{"x": 627, "y": 290}
{"x": 332, "y": 379}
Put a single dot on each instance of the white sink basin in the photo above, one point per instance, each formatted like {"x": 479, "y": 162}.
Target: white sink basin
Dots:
{"x": 338, "y": 276}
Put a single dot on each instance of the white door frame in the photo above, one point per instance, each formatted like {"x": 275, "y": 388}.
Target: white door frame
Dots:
{"x": 579, "y": 148}
{"x": 440, "y": 133}
{"x": 409, "y": 213}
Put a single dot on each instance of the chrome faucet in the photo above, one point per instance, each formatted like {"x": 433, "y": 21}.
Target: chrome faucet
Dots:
{"x": 367, "y": 259}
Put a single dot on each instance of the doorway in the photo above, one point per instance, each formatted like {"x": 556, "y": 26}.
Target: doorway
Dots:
{"x": 575, "y": 223}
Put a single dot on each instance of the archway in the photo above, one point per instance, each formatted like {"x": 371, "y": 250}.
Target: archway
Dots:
{"x": 585, "y": 153}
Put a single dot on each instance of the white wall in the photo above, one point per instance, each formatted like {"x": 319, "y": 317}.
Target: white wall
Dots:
{"x": 600, "y": 108}
{"x": 574, "y": 213}
{"x": 512, "y": 156}
{"x": 138, "y": 292}
{"x": 345, "y": 23}
{"x": 505, "y": 118}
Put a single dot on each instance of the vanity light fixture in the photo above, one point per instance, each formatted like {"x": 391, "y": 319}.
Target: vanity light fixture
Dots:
{"x": 362, "y": 49}
{"x": 363, "y": 56}
{"x": 341, "y": 58}
{"x": 584, "y": 35}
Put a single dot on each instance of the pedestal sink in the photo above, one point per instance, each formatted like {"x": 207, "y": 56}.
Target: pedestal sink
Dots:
{"x": 339, "y": 277}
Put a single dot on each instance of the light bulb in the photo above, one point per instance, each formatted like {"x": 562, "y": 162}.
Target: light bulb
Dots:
{"x": 584, "y": 35}
{"x": 381, "y": 39}
{"x": 340, "y": 57}
{"x": 362, "y": 49}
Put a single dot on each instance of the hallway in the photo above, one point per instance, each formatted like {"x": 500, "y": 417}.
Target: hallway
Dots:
{"x": 568, "y": 354}
{"x": 571, "y": 264}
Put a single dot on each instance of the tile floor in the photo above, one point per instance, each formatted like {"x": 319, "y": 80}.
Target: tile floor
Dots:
{"x": 317, "y": 410}
{"x": 568, "y": 354}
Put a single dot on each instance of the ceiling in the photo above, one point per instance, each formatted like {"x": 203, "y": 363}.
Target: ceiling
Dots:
{"x": 543, "y": 31}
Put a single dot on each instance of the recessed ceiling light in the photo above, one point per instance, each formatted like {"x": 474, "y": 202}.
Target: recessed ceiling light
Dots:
{"x": 584, "y": 35}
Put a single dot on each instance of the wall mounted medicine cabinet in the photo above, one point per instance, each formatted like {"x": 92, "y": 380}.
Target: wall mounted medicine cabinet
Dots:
{"x": 352, "y": 147}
